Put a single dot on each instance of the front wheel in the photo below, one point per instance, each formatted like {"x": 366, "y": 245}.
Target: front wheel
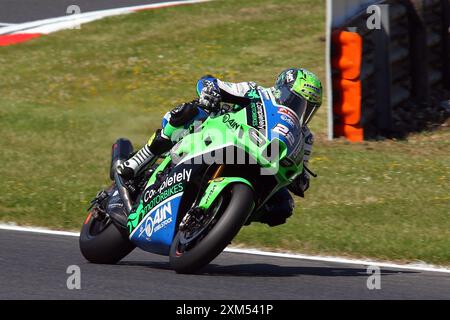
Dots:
{"x": 198, "y": 245}
{"x": 101, "y": 241}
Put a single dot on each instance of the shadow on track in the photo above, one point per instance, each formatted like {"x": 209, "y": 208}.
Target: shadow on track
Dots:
{"x": 269, "y": 270}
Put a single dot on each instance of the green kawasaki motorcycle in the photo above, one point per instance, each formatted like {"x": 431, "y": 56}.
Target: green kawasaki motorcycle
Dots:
{"x": 193, "y": 202}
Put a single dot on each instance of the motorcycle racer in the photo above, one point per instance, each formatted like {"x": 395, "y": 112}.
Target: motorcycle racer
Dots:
{"x": 297, "y": 89}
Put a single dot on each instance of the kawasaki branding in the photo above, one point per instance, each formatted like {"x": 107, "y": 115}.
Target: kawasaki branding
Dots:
{"x": 252, "y": 94}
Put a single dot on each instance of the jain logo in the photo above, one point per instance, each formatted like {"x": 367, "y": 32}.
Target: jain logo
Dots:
{"x": 161, "y": 218}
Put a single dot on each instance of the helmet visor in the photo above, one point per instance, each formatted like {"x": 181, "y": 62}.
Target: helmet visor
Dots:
{"x": 293, "y": 101}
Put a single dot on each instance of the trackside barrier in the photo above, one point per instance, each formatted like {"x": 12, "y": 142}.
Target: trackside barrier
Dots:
{"x": 404, "y": 76}
{"x": 346, "y": 62}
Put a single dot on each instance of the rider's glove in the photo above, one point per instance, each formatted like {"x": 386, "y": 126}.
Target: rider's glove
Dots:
{"x": 300, "y": 184}
{"x": 210, "y": 97}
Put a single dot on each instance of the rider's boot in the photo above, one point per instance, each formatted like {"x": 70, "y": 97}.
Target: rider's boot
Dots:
{"x": 277, "y": 209}
{"x": 157, "y": 145}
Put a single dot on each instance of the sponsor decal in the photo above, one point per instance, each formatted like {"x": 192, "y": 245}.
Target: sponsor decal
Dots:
{"x": 115, "y": 205}
{"x": 257, "y": 116}
{"x": 210, "y": 193}
{"x": 228, "y": 84}
{"x": 172, "y": 185}
{"x": 315, "y": 89}
{"x": 290, "y": 76}
{"x": 288, "y": 113}
{"x": 157, "y": 199}
{"x": 230, "y": 122}
{"x": 288, "y": 120}
{"x": 158, "y": 220}
{"x": 185, "y": 175}
{"x": 175, "y": 178}
{"x": 252, "y": 94}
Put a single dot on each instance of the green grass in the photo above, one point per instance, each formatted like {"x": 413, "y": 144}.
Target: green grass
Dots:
{"x": 66, "y": 97}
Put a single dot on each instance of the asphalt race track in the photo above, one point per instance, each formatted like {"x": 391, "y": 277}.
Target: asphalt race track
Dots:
{"x": 18, "y": 11}
{"x": 34, "y": 265}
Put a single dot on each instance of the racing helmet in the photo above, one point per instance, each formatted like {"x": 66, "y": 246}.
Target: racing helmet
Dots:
{"x": 301, "y": 91}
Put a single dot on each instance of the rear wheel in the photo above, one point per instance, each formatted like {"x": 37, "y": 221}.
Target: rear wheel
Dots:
{"x": 101, "y": 241}
{"x": 199, "y": 243}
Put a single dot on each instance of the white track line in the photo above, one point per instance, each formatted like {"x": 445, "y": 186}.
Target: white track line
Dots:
{"x": 418, "y": 267}
{"x": 424, "y": 267}
{"x": 12, "y": 227}
{"x": 47, "y": 26}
